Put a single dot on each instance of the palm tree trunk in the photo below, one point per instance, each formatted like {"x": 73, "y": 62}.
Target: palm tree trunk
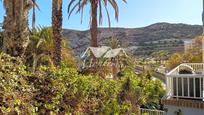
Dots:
{"x": 33, "y": 16}
{"x": 57, "y": 29}
{"x": 94, "y": 31}
{"x": 16, "y": 32}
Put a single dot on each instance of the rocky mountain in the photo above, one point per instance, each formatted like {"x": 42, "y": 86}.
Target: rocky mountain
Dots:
{"x": 79, "y": 40}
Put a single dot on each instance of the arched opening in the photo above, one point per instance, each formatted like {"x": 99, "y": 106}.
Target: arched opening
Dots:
{"x": 185, "y": 71}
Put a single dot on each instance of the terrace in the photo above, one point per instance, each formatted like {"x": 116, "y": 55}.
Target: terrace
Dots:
{"x": 186, "y": 81}
{"x": 185, "y": 86}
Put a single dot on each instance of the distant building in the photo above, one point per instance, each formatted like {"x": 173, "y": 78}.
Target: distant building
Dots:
{"x": 190, "y": 43}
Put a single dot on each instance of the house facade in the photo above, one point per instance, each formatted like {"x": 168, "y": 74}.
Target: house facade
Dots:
{"x": 103, "y": 61}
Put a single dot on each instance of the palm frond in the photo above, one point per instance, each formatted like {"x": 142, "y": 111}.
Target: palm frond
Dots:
{"x": 115, "y": 7}
{"x": 107, "y": 13}
{"x": 79, "y": 5}
{"x": 34, "y": 5}
{"x": 100, "y": 13}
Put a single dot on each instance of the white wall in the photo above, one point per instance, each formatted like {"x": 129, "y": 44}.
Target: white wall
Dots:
{"x": 185, "y": 111}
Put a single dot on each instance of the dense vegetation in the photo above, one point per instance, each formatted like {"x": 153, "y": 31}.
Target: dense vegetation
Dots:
{"x": 33, "y": 85}
{"x": 39, "y": 73}
{"x": 60, "y": 91}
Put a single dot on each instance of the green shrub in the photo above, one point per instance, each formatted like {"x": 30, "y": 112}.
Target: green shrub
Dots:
{"x": 15, "y": 91}
{"x": 63, "y": 90}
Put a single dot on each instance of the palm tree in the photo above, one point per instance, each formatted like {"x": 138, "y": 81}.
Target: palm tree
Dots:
{"x": 16, "y": 31}
{"x": 113, "y": 42}
{"x": 33, "y": 16}
{"x": 57, "y": 29}
{"x": 40, "y": 47}
{"x": 96, "y": 6}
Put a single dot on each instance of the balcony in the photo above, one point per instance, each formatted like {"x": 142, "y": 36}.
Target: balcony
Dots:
{"x": 186, "y": 81}
{"x": 185, "y": 86}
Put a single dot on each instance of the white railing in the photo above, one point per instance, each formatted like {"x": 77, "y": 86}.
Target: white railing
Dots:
{"x": 197, "y": 67}
{"x": 150, "y": 112}
{"x": 189, "y": 86}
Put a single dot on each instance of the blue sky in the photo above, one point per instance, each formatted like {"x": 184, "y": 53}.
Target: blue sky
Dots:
{"x": 136, "y": 13}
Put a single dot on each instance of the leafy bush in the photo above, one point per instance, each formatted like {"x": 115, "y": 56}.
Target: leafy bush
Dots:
{"x": 15, "y": 91}
{"x": 63, "y": 90}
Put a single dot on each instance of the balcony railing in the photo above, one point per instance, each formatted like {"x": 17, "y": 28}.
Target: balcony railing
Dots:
{"x": 188, "y": 85}
{"x": 197, "y": 67}
{"x": 150, "y": 112}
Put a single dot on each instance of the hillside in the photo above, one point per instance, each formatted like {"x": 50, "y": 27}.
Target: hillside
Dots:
{"x": 79, "y": 40}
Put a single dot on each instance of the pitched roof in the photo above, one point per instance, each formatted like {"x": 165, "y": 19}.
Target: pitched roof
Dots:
{"x": 114, "y": 52}
{"x": 96, "y": 51}
{"x": 99, "y": 52}
{"x": 103, "y": 51}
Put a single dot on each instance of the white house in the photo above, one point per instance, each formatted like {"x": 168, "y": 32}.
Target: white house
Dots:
{"x": 185, "y": 90}
{"x": 103, "y": 61}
